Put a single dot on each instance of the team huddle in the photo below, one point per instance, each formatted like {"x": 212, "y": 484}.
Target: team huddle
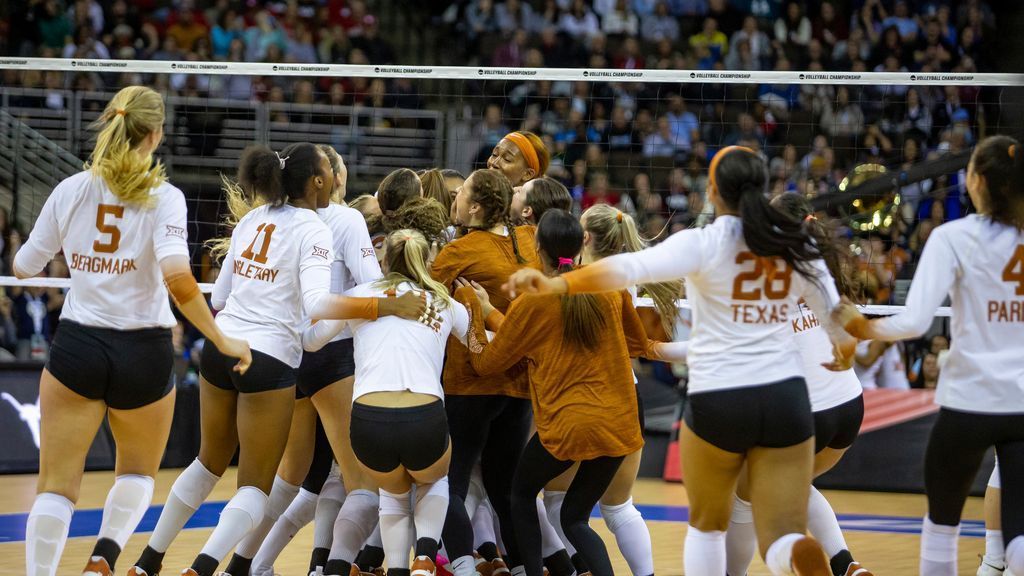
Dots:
{"x": 439, "y": 376}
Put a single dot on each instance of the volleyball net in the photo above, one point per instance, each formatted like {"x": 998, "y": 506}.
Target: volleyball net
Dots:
{"x": 884, "y": 153}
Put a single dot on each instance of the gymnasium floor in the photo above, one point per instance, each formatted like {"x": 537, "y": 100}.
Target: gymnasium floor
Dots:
{"x": 882, "y": 529}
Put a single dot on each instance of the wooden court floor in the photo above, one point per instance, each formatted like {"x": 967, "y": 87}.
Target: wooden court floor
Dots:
{"x": 881, "y": 529}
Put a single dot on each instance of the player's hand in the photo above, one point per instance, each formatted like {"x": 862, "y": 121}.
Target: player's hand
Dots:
{"x": 530, "y": 281}
{"x": 411, "y": 306}
{"x": 237, "y": 348}
{"x": 481, "y": 294}
{"x": 849, "y": 317}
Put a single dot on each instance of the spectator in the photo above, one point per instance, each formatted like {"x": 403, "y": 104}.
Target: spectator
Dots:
{"x": 262, "y": 36}
{"x": 870, "y": 18}
{"x": 746, "y": 128}
{"x": 511, "y": 53}
{"x": 793, "y": 32}
{"x": 376, "y": 49}
{"x": 729, "y": 14}
{"x": 187, "y": 30}
{"x": 948, "y": 29}
{"x": 629, "y": 57}
{"x": 853, "y": 49}
{"x": 929, "y": 376}
{"x": 780, "y": 97}
{"x": 660, "y": 25}
{"x": 891, "y": 46}
{"x": 300, "y": 46}
{"x": 903, "y": 22}
{"x": 688, "y": 8}
{"x": 712, "y": 38}
{"x": 8, "y": 329}
{"x": 30, "y": 310}
{"x": 353, "y": 18}
{"x": 481, "y": 19}
{"x": 844, "y": 118}
{"x": 619, "y": 135}
{"x": 917, "y": 121}
{"x": 87, "y": 12}
{"x": 828, "y": 28}
{"x": 741, "y": 57}
{"x": 228, "y": 27}
{"x": 579, "y": 21}
{"x": 86, "y": 45}
{"x": 937, "y": 344}
{"x": 620, "y": 20}
{"x": 685, "y": 126}
{"x": 932, "y": 50}
{"x": 759, "y": 45}
{"x": 513, "y": 15}
{"x": 54, "y": 25}
{"x": 334, "y": 47}
{"x": 599, "y": 192}
{"x": 661, "y": 143}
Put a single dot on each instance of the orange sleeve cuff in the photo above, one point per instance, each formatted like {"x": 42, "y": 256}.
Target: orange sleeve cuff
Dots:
{"x": 182, "y": 286}
{"x": 348, "y": 307}
{"x": 858, "y": 328}
{"x": 587, "y": 279}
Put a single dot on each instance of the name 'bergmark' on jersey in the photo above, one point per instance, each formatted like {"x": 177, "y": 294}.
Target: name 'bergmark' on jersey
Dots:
{"x": 101, "y": 265}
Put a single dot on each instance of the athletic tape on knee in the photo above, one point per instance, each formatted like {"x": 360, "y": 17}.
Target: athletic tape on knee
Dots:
{"x": 194, "y": 485}
{"x": 742, "y": 511}
{"x": 127, "y": 501}
{"x": 395, "y": 504}
{"x": 620, "y": 514}
{"x": 281, "y": 495}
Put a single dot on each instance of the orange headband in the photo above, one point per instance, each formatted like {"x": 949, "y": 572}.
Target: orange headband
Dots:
{"x": 718, "y": 158}
{"x": 523, "y": 143}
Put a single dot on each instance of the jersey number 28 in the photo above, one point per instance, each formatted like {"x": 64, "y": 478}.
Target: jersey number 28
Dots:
{"x": 1014, "y": 271}
{"x": 748, "y": 284}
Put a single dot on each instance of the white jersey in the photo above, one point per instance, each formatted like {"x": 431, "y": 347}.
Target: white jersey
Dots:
{"x": 980, "y": 264}
{"x": 393, "y": 354}
{"x": 741, "y": 317}
{"x": 113, "y": 251}
{"x": 868, "y": 375}
{"x": 355, "y": 262}
{"x": 278, "y": 257}
{"x": 826, "y": 388}
{"x": 893, "y": 371}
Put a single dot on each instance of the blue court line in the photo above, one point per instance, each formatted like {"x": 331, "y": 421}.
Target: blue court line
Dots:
{"x": 87, "y": 522}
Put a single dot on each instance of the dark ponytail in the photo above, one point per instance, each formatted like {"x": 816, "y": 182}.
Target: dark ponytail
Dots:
{"x": 741, "y": 179}
{"x": 276, "y": 177}
{"x": 560, "y": 240}
{"x": 1000, "y": 160}
{"x": 835, "y": 251}
{"x": 396, "y": 189}
{"x": 492, "y": 191}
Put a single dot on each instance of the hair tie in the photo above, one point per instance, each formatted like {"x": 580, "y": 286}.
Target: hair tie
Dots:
{"x": 618, "y": 216}
{"x": 120, "y": 112}
{"x": 810, "y": 217}
{"x": 565, "y": 262}
{"x": 281, "y": 160}
{"x": 1012, "y": 150}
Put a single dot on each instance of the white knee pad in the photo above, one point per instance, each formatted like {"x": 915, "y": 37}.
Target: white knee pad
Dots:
{"x": 619, "y": 515}
{"x": 194, "y": 485}
{"x": 1015, "y": 556}
{"x": 333, "y": 489}
{"x": 742, "y": 511}
{"x": 127, "y": 501}
{"x": 994, "y": 481}
{"x": 395, "y": 504}
{"x": 281, "y": 495}
{"x": 250, "y": 500}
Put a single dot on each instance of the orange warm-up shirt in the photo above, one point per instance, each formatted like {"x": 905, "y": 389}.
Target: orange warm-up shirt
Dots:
{"x": 489, "y": 260}
{"x": 584, "y": 401}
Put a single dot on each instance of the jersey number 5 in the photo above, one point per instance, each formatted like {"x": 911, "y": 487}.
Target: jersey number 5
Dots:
{"x": 748, "y": 286}
{"x": 1014, "y": 271}
{"x": 102, "y": 212}
{"x": 267, "y": 230}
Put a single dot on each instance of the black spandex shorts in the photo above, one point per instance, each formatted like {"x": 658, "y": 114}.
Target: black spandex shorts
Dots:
{"x": 385, "y": 438}
{"x": 838, "y": 426}
{"x": 264, "y": 374}
{"x": 126, "y": 369}
{"x": 319, "y": 369}
{"x": 774, "y": 415}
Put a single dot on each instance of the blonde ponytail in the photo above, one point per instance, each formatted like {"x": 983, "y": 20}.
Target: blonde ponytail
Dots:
{"x": 239, "y": 204}
{"x": 131, "y": 116}
{"x": 405, "y": 258}
{"x": 614, "y": 232}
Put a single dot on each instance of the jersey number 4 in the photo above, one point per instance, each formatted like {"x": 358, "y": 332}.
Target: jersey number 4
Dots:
{"x": 103, "y": 213}
{"x": 748, "y": 284}
{"x": 267, "y": 230}
{"x": 1014, "y": 271}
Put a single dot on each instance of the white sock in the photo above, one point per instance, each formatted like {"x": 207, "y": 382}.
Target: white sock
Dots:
{"x": 328, "y": 505}
{"x": 704, "y": 552}
{"x": 475, "y": 493}
{"x": 823, "y": 524}
{"x": 281, "y": 496}
{"x": 46, "y": 533}
{"x": 355, "y": 523}
{"x": 741, "y": 539}
{"x": 779, "y": 557}
{"x": 188, "y": 493}
{"x": 464, "y": 566}
{"x": 298, "y": 514}
{"x": 553, "y": 504}
{"x": 395, "y": 526}
{"x": 995, "y": 553}
{"x": 431, "y": 509}
{"x": 497, "y": 528}
{"x": 939, "y": 549}
{"x": 243, "y": 512}
{"x": 127, "y": 501}
{"x": 1015, "y": 555}
{"x": 550, "y": 539}
{"x": 632, "y": 536}
{"x": 375, "y": 539}
{"x": 483, "y": 525}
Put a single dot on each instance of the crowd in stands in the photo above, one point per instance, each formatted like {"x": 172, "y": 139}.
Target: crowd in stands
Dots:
{"x": 641, "y": 146}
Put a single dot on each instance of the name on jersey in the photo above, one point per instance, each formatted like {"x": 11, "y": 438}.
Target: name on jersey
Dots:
{"x": 1006, "y": 311}
{"x": 255, "y": 272}
{"x": 805, "y": 322}
{"x": 760, "y": 313}
{"x": 101, "y": 265}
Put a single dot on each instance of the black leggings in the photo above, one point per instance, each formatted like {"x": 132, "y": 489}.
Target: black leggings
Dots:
{"x": 323, "y": 457}
{"x": 493, "y": 430}
{"x": 956, "y": 448}
{"x": 536, "y": 468}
